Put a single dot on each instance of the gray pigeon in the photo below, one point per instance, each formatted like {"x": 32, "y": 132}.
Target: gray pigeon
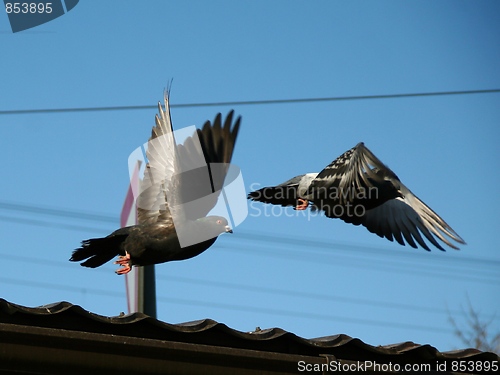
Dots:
{"x": 170, "y": 227}
{"x": 359, "y": 189}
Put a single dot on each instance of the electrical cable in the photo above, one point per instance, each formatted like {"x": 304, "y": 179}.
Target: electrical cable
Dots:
{"x": 249, "y": 102}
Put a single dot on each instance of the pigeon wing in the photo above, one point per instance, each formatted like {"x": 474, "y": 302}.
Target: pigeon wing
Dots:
{"x": 407, "y": 218}
{"x": 217, "y": 142}
{"x": 203, "y": 162}
{"x": 391, "y": 210}
{"x": 350, "y": 176}
{"x": 152, "y": 205}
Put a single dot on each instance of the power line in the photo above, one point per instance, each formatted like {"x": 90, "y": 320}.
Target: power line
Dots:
{"x": 374, "y": 264}
{"x": 92, "y": 216}
{"x": 226, "y": 306}
{"x": 218, "y": 305}
{"x": 298, "y": 314}
{"x": 326, "y": 246}
{"x": 50, "y": 224}
{"x": 249, "y": 102}
{"x": 53, "y": 286}
{"x": 318, "y": 251}
{"x": 319, "y": 245}
{"x": 307, "y": 295}
{"x": 226, "y": 285}
{"x": 310, "y": 257}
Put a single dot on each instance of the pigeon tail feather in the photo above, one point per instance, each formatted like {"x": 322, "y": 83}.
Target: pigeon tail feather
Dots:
{"x": 98, "y": 251}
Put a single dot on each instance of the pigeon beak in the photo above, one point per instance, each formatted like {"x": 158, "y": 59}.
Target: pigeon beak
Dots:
{"x": 228, "y": 229}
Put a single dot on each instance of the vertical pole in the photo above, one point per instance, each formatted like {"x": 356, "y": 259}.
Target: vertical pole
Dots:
{"x": 140, "y": 281}
{"x": 149, "y": 291}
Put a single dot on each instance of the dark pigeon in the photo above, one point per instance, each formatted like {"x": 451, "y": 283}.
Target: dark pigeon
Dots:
{"x": 359, "y": 189}
{"x": 192, "y": 171}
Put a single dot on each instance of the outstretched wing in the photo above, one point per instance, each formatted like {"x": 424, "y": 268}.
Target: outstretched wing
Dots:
{"x": 152, "y": 205}
{"x": 407, "y": 217}
{"x": 200, "y": 183}
{"x": 378, "y": 200}
{"x": 183, "y": 181}
{"x": 351, "y": 178}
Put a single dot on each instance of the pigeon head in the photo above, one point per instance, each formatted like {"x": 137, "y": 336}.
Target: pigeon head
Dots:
{"x": 215, "y": 224}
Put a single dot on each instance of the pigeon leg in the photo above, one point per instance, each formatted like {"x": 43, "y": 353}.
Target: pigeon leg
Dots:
{"x": 125, "y": 264}
{"x": 302, "y": 204}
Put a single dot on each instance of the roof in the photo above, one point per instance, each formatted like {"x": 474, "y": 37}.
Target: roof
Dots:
{"x": 64, "y": 336}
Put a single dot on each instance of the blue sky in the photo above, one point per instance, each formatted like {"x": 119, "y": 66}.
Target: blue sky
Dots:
{"x": 313, "y": 277}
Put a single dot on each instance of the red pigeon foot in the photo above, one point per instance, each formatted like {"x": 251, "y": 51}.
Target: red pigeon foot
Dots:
{"x": 303, "y": 204}
{"x": 124, "y": 262}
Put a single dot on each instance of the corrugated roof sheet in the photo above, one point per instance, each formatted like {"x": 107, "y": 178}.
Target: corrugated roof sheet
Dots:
{"x": 71, "y": 318}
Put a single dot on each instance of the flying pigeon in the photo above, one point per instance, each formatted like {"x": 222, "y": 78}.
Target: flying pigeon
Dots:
{"x": 169, "y": 227}
{"x": 359, "y": 189}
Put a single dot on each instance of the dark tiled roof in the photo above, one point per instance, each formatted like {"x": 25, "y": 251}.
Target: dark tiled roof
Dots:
{"x": 63, "y": 318}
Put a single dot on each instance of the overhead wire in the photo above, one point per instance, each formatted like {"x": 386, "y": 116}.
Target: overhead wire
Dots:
{"x": 321, "y": 246}
{"x": 50, "y": 224}
{"x": 318, "y": 251}
{"x": 307, "y": 315}
{"x": 39, "y": 209}
{"x": 233, "y": 307}
{"x": 219, "y": 284}
{"x": 218, "y": 305}
{"x": 249, "y": 102}
{"x": 241, "y": 287}
{"x": 306, "y": 295}
{"x": 374, "y": 264}
{"x": 181, "y": 301}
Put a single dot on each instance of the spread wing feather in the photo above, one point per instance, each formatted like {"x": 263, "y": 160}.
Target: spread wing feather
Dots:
{"x": 395, "y": 212}
{"x": 185, "y": 172}
{"x": 217, "y": 142}
{"x": 152, "y": 205}
{"x": 357, "y": 168}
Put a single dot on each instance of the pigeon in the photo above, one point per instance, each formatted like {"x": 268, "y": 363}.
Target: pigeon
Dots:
{"x": 169, "y": 227}
{"x": 359, "y": 189}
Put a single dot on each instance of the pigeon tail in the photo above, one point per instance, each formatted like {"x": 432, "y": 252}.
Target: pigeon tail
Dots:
{"x": 98, "y": 251}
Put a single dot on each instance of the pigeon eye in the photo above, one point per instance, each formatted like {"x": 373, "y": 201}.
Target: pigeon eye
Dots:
{"x": 219, "y": 221}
